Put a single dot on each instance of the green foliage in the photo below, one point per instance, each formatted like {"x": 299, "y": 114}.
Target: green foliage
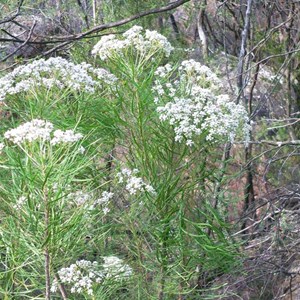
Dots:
{"x": 162, "y": 223}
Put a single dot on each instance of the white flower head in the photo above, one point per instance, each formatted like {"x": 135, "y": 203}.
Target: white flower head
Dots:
{"x": 56, "y": 72}
{"x": 80, "y": 197}
{"x": 104, "y": 201}
{"x": 195, "y": 106}
{"x": 114, "y": 267}
{"x": 68, "y": 136}
{"x": 41, "y": 130}
{"x": 135, "y": 38}
{"x": 20, "y": 202}
{"x": 30, "y": 131}
{"x": 133, "y": 183}
{"x": 106, "y": 196}
{"x": 83, "y": 275}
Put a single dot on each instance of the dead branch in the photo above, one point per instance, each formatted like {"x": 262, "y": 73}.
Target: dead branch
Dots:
{"x": 22, "y": 45}
{"x": 11, "y": 18}
{"x": 240, "y": 68}
{"x": 72, "y": 38}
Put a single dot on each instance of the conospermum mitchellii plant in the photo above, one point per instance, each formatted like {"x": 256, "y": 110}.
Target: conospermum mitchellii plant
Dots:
{"x": 46, "y": 162}
{"x": 56, "y": 89}
{"x": 45, "y": 216}
{"x": 76, "y": 203}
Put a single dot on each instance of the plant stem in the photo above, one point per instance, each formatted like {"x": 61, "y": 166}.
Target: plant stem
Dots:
{"x": 61, "y": 288}
{"x": 46, "y": 253}
{"x": 47, "y": 273}
{"x": 162, "y": 284}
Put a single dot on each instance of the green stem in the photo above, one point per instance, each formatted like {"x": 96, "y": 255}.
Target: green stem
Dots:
{"x": 46, "y": 252}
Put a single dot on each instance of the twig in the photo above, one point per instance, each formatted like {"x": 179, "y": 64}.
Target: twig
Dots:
{"x": 72, "y": 38}
{"x": 9, "y": 19}
{"x": 240, "y": 83}
{"x": 61, "y": 287}
{"x": 201, "y": 33}
{"x": 22, "y": 45}
{"x": 285, "y": 125}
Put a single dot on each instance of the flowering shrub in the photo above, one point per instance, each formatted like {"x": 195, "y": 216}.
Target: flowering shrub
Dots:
{"x": 65, "y": 199}
{"x": 195, "y": 107}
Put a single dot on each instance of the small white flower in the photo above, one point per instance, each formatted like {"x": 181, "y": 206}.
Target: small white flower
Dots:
{"x": 114, "y": 267}
{"x": 54, "y": 286}
{"x": 104, "y": 201}
{"x": 68, "y": 136}
{"x": 150, "y": 189}
{"x": 20, "y": 202}
{"x": 80, "y": 197}
{"x": 133, "y": 184}
{"x": 106, "y": 196}
{"x": 106, "y": 210}
{"x": 81, "y": 150}
{"x": 82, "y": 275}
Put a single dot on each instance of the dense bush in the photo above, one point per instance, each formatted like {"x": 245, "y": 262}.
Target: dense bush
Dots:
{"x": 108, "y": 175}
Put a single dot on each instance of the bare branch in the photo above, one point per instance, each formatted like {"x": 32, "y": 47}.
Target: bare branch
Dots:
{"x": 22, "y": 45}
{"x": 240, "y": 83}
{"x": 70, "y": 39}
{"x": 11, "y": 18}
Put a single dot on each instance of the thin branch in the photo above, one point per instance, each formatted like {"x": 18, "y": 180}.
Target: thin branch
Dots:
{"x": 274, "y": 143}
{"x": 22, "y": 45}
{"x": 9, "y": 19}
{"x": 72, "y": 38}
{"x": 61, "y": 287}
{"x": 285, "y": 125}
{"x": 17, "y": 40}
{"x": 240, "y": 83}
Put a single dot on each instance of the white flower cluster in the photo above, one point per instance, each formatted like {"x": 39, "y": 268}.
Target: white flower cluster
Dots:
{"x": 149, "y": 42}
{"x": 68, "y": 136}
{"x": 84, "y": 274}
{"x": 104, "y": 201}
{"x": 81, "y": 276}
{"x": 163, "y": 71}
{"x": 20, "y": 202}
{"x": 105, "y": 76}
{"x": 195, "y": 106}
{"x": 40, "y": 130}
{"x": 54, "y": 72}
{"x": 133, "y": 183}
{"x": 30, "y": 131}
{"x": 198, "y": 74}
{"x": 115, "y": 268}
{"x": 80, "y": 197}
